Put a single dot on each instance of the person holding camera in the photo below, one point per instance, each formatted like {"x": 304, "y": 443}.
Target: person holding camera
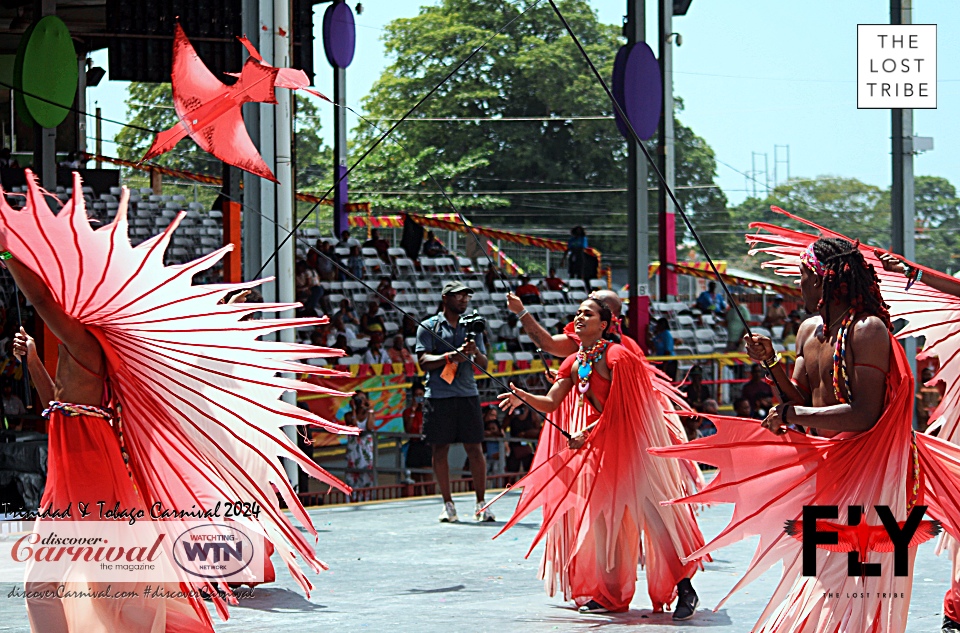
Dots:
{"x": 446, "y": 343}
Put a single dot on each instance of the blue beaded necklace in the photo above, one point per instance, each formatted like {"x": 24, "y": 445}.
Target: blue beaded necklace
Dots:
{"x": 587, "y": 358}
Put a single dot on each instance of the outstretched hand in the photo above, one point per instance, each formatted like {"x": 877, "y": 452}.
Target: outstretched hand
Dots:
{"x": 510, "y": 401}
{"x": 891, "y": 263}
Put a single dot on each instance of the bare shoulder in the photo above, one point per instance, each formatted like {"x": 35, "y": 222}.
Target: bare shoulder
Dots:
{"x": 807, "y": 329}
{"x": 870, "y": 342}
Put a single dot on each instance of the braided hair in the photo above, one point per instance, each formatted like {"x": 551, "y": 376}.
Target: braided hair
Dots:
{"x": 847, "y": 276}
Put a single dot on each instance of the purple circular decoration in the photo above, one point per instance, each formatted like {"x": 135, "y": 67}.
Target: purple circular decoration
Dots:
{"x": 642, "y": 90}
{"x": 339, "y": 34}
{"x": 619, "y": 65}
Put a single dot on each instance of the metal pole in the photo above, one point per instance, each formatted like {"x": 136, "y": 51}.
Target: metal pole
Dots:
{"x": 285, "y": 191}
{"x": 638, "y": 206}
{"x": 340, "y": 194}
{"x": 252, "y": 221}
{"x": 902, "y": 204}
{"x": 665, "y": 158}
{"x": 99, "y": 135}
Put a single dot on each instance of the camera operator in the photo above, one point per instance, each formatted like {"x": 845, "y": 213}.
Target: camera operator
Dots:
{"x": 452, "y": 409}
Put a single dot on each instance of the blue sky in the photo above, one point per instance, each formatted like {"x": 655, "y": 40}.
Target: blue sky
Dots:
{"x": 752, "y": 75}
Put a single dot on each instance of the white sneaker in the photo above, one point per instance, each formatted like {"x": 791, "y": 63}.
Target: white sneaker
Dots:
{"x": 449, "y": 514}
{"x": 482, "y": 516}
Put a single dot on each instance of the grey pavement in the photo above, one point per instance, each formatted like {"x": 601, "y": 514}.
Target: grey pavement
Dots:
{"x": 394, "y": 567}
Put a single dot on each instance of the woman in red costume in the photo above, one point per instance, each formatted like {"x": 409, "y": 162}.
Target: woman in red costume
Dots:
{"x": 859, "y": 449}
{"x": 163, "y": 395}
{"x": 615, "y": 415}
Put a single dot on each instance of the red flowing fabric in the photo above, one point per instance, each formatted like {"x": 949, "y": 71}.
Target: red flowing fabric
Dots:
{"x": 592, "y": 521}
{"x": 928, "y": 313}
{"x": 199, "y": 391}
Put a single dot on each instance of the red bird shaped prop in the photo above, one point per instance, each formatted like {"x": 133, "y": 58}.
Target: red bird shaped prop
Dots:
{"x": 861, "y": 538}
{"x": 209, "y": 110}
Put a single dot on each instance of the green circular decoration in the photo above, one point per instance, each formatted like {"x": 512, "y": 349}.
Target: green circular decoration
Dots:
{"x": 46, "y": 67}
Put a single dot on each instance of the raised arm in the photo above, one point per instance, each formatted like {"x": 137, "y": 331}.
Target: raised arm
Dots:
{"x": 760, "y": 349}
{"x": 82, "y": 345}
{"x": 894, "y": 263}
{"x": 23, "y": 345}
{"x": 544, "y": 404}
{"x": 555, "y": 344}
{"x": 870, "y": 350}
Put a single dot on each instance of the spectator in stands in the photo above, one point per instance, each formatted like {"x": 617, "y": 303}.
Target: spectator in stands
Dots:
{"x": 419, "y": 454}
{"x": 12, "y": 404}
{"x": 661, "y": 342}
{"x": 522, "y": 423}
{"x": 344, "y": 239}
{"x": 386, "y": 293}
{"x": 758, "y": 392}
{"x": 790, "y": 329}
{"x": 742, "y": 408}
{"x": 341, "y": 343}
{"x": 776, "y": 314}
{"x": 576, "y": 245}
{"x": 735, "y": 328}
{"x": 371, "y": 321}
{"x": 509, "y": 333}
{"x": 695, "y": 392}
{"x": 347, "y": 314}
{"x": 359, "y": 454}
{"x": 707, "y": 427}
{"x": 338, "y": 327}
{"x": 432, "y": 247}
{"x": 527, "y": 292}
{"x": 554, "y": 283}
{"x": 453, "y": 402}
{"x": 711, "y": 301}
{"x": 408, "y": 326}
{"x": 928, "y": 398}
{"x": 71, "y": 161}
{"x": 490, "y": 278}
{"x": 376, "y": 242}
{"x": 375, "y": 354}
{"x": 6, "y": 160}
{"x": 398, "y": 351}
{"x": 492, "y": 430}
{"x": 308, "y": 288}
{"x": 326, "y": 261}
{"x": 355, "y": 263}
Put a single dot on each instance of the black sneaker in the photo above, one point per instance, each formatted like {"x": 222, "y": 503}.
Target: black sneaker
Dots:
{"x": 593, "y": 607}
{"x": 687, "y": 601}
{"x": 949, "y": 626}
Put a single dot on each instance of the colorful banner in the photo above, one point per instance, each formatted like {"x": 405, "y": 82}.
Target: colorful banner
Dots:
{"x": 502, "y": 259}
{"x": 211, "y": 180}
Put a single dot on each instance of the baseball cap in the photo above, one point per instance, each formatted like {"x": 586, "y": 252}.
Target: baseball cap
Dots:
{"x": 453, "y": 287}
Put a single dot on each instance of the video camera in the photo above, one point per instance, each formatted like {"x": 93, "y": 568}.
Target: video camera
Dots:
{"x": 474, "y": 324}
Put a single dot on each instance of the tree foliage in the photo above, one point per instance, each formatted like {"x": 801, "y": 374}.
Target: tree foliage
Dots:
{"x": 532, "y": 69}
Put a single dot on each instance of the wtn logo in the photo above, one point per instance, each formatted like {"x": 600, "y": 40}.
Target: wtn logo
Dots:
{"x": 858, "y": 538}
{"x": 221, "y": 551}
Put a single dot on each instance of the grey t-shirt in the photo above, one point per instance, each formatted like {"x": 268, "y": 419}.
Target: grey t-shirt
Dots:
{"x": 463, "y": 384}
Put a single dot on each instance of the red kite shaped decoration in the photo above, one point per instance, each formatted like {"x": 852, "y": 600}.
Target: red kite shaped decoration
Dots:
{"x": 209, "y": 110}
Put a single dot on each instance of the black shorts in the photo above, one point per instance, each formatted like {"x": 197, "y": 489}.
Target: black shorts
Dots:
{"x": 453, "y": 420}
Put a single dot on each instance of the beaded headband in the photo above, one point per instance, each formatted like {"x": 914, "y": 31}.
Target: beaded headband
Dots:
{"x": 809, "y": 259}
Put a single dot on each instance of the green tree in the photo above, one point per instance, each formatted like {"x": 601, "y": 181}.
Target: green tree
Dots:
{"x": 938, "y": 223}
{"x": 532, "y": 69}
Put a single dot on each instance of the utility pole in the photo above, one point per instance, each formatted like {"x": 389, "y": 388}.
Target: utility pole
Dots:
{"x": 903, "y": 222}
{"x": 638, "y": 207}
{"x": 666, "y": 158}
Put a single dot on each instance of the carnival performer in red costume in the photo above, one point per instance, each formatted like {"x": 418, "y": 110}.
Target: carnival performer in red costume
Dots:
{"x": 859, "y": 449}
{"x": 163, "y": 395}
{"x": 602, "y": 492}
